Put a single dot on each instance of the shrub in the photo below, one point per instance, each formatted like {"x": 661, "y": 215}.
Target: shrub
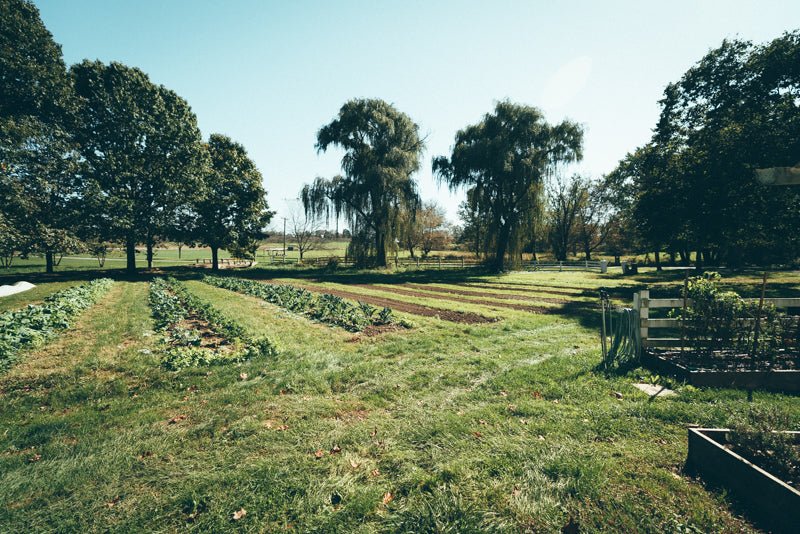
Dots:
{"x": 758, "y": 436}
{"x": 718, "y": 321}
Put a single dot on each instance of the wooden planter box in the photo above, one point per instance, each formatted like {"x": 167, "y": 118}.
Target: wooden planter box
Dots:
{"x": 768, "y": 501}
{"x": 786, "y": 381}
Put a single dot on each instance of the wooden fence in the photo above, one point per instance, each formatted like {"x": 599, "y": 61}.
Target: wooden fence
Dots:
{"x": 642, "y": 303}
{"x": 585, "y": 265}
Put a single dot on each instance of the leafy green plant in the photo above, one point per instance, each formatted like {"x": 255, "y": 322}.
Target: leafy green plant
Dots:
{"x": 759, "y": 435}
{"x": 36, "y": 324}
{"x": 722, "y": 321}
{"x": 172, "y": 304}
{"x": 325, "y": 308}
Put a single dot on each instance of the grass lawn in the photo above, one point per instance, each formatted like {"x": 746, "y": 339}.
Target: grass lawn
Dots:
{"x": 497, "y": 426}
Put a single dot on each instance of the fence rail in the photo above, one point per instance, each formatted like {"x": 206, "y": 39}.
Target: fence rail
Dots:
{"x": 642, "y": 304}
{"x": 585, "y": 265}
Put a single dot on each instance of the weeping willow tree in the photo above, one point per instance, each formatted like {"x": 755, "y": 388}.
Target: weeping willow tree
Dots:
{"x": 382, "y": 150}
{"x": 504, "y": 161}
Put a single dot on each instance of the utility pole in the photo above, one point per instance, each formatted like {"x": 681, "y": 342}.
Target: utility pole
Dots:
{"x": 284, "y": 239}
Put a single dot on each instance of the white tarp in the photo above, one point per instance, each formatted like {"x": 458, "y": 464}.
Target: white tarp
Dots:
{"x": 19, "y": 287}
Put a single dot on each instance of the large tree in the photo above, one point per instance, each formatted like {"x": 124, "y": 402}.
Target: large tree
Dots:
{"x": 504, "y": 160}
{"x": 382, "y": 150}
{"x": 693, "y": 185}
{"x": 38, "y": 157}
{"x": 232, "y": 210}
{"x": 143, "y": 154}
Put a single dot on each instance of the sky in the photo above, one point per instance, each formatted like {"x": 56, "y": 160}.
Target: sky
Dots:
{"x": 269, "y": 74}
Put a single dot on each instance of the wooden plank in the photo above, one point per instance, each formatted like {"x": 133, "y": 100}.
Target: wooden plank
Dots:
{"x": 668, "y": 303}
{"x": 778, "y": 302}
{"x": 662, "y": 323}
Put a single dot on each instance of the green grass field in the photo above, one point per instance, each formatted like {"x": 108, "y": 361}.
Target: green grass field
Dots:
{"x": 500, "y": 426}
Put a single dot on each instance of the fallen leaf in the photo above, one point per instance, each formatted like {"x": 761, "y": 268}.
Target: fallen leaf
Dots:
{"x": 477, "y": 434}
{"x": 555, "y": 401}
{"x": 536, "y": 395}
{"x": 282, "y": 428}
{"x": 319, "y": 453}
{"x": 237, "y": 515}
{"x": 504, "y": 394}
{"x": 483, "y": 422}
{"x": 336, "y": 449}
{"x": 242, "y": 376}
{"x": 113, "y": 501}
{"x": 34, "y": 458}
{"x": 617, "y": 394}
{"x": 387, "y": 498}
{"x": 373, "y": 433}
{"x": 354, "y": 464}
{"x": 375, "y": 473}
{"x": 511, "y": 407}
{"x": 523, "y": 421}
{"x": 176, "y": 419}
{"x": 541, "y": 437}
{"x": 515, "y": 492}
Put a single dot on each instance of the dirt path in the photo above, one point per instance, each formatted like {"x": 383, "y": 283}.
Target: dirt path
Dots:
{"x": 399, "y": 305}
{"x": 500, "y": 296}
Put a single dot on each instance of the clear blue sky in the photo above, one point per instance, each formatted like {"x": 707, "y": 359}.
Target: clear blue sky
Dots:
{"x": 269, "y": 74}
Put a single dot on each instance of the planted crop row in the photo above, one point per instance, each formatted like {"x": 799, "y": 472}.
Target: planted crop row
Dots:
{"x": 325, "y": 308}
{"x": 196, "y": 333}
{"x": 34, "y": 325}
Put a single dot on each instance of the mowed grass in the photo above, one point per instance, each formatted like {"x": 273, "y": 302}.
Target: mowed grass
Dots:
{"x": 505, "y": 426}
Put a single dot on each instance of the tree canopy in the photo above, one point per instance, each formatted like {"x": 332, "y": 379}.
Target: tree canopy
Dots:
{"x": 504, "y": 161}
{"x": 382, "y": 150}
{"x": 143, "y": 153}
{"x": 693, "y": 186}
{"x": 232, "y": 210}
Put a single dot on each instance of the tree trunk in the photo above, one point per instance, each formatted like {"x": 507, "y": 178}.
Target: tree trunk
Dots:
{"x": 179, "y": 251}
{"x": 149, "y": 253}
{"x": 587, "y": 251}
{"x": 380, "y": 246}
{"x": 658, "y": 260}
{"x": 214, "y": 258}
{"x": 502, "y": 245}
{"x": 130, "y": 253}
{"x": 698, "y": 260}
{"x": 48, "y": 261}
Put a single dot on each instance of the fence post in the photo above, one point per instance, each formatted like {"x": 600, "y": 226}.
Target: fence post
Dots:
{"x": 642, "y": 305}
{"x": 603, "y": 266}
{"x": 439, "y": 261}
{"x": 462, "y": 262}
{"x": 417, "y": 262}
{"x": 560, "y": 266}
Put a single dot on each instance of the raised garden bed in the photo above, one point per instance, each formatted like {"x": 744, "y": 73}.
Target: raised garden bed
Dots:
{"x": 781, "y": 374}
{"x": 770, "y": 502}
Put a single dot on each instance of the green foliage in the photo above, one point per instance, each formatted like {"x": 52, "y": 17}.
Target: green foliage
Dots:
{"x": 135, "y": 191}
{"x": 759, "y": 435}
{"x": 693, "y": 186}
{"x": 719, "y": 320}
{"x": 382, "y": 150}
{"x": 172, "y": 303}
{"x": 324, "y": 308}
{"x": 232, "y": 211}
{"x": 34, "y": 325}
{"x": 503, "y": 161}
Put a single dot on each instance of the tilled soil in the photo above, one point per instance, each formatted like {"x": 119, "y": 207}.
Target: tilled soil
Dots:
{"x": 428, "y": 295}
{"x": 399, "y": 305}
{"x": 499, "y": 296}
{"x": 528, "y": 288}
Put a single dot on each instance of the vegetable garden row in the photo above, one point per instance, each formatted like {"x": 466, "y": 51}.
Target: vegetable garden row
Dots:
{"x": 34, "y": 325}
{"x": 196, "y": 333}
{"x": 325, "y": 308}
